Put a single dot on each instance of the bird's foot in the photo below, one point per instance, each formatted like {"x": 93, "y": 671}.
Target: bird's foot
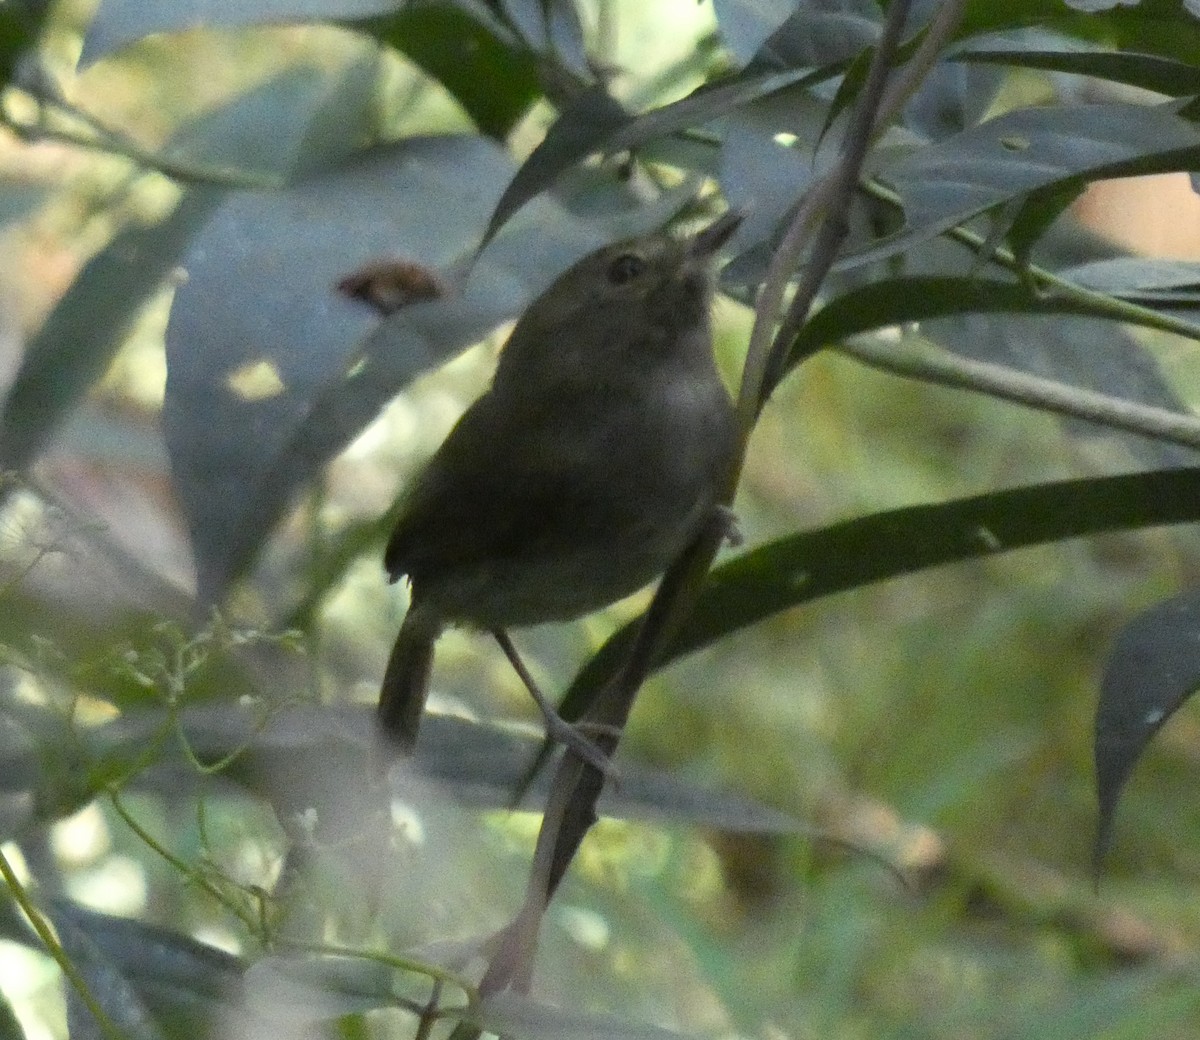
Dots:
{"x": 576, "y": 738}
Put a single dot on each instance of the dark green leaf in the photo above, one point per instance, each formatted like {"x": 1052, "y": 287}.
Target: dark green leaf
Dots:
{"x": 595, "y": 123}
{"x": 10, "y": 1027}
{"x": 1148, "y": 71}
{"x": 108, "y": 985}
{"x": 20, "y": 26}
{"x": 580, "y": 130}
{"x": 316, "y": 119}
{"x": 1153, "y": 669}
{"x": 897, "y": 301}
{"x": 269, "y": 300}
{"x": 306, "y": 758}
{"x": 89, "y": 325}
{"x": 1036, "y": 214}
{"x": 491, "y": 76}
{"x": 786, "y": 34}
{"x": 1140, "y": 278}
{"x": 952, "y": 98}
{"x": 1029, "y": 150}
{"x": 1092, "y": 354}
{"x": 1163, "y": 27}
{"x": 155, "y": 958}
{"x": 745, "y": 25}
{"x": 821, "y": 34}
{"x": 144, "y": 970}
{"x": 808, "y": 565}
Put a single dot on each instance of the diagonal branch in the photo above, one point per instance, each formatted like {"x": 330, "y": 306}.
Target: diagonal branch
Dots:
{"x": 571, "y": 810}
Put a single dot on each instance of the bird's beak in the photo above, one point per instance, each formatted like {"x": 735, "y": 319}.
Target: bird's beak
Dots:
{"x": 705, "y": 243}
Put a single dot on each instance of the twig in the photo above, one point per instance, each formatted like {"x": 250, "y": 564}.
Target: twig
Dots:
{"x": 1048, "y": 395}
{"x": 576, "y": 787}
{"x": 44, "y": 932}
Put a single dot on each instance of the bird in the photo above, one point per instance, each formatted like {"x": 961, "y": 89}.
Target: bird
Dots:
{"x": 595, "y": 457}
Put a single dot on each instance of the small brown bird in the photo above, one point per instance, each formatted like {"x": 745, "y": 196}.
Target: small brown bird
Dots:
{"x": 592, "y": 461}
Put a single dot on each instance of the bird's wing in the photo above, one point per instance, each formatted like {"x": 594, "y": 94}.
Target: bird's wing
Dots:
{"x": 510, "y": 481}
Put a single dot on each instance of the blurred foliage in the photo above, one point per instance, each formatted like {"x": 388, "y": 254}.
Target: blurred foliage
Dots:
{"x": 860, "y": 799}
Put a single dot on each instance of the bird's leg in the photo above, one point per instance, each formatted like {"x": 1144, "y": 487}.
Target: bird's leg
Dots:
{"x": 557, "y": 728}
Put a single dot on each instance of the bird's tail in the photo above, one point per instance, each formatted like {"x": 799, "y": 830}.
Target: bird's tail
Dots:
{"x": 406, "y": 682}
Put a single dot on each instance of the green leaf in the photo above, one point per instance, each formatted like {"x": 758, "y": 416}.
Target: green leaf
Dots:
{"x": 89, "y": 325}
{"x": 491, "y": 76}
{"x": 579, "y": 131}
{"x": 137, "y": 970}
{"x": 107, "y": 984}
{"x": 1024, "y": 151}
{"x": 806, "y": 566}
{"x": 595, "y": 123}
{"x": 10, "y": 1026}
{"x": 1163, "y": 27}
{"x": 786, "y": 34}
{"x": 897, "y": 301}
{"x": 1148, "y": 71}
{"x": 1154, "y": 667}
{"x": 1141, "y": 278}
{"x": 120, "y": 22}
{"x": 308, "y": 758}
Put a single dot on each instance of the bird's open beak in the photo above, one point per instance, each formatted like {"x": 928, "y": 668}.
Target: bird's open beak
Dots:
{"x": 705, "y": 243}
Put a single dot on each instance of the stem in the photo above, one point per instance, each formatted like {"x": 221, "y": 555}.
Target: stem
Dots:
{"x": 576, "y": 786}
{"x": 946, "y": 369}
{"x": 46, "y": 933}
{"x": 1046, "y": 280}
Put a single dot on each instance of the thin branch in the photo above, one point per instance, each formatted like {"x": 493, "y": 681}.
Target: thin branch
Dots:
{"x": 947, "y": 369}
{"x": 571, "y": 810}
{"x": 1045, "y": 280}
{"x": 46, "y": 933}
{"x": 98, "y": 137}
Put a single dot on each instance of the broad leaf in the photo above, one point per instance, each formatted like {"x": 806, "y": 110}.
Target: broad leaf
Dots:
{"x": 794, "y": 33}
{"x": 1144, "y": 279}
{"x": 1153, "y": 669}
{"x": 1091, "y": 354}
{"x": 107, "y": 984}
{"x": 146, "y": 970}
{"x": 594, "y": 123}
{"x": 488, "y": 72}
{"x": 89, "y": 325}
{"x": 811, "y": 564}
{"x": 580, "y": 130}
{"x": 1024, "y": 151}
{"x": 120, "y": 22}
{"x": 316, "y": 118}
{"x": 1149, "y": 71}
{"x": 258, "y": 332}
{"x": 306, "y": 758}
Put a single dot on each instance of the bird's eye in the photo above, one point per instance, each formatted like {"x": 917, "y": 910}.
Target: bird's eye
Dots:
{"x": 625, "y": 268}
